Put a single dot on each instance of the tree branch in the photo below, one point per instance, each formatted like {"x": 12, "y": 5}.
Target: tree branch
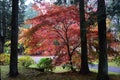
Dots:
{"x": 60, "y": 35}
{"x": 75, "y": 48}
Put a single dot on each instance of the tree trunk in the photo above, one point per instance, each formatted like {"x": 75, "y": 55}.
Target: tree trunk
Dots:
{"x": 68, "y": 50}
{"x": 2, "y": 28}
{"x": 2, "y": 41}
{"x": 70, "y": 58}
{"x": 14, "y": 40}
{"x": 84, "y": 59}
{"x": 103, "y": 64}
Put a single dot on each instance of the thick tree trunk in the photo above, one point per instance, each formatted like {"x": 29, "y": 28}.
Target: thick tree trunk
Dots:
{"x": 103, "y": 64}
{"x": 14, "y": 40}
{"x": 84, "y": 59}
{"x": 2, "y": 41}
{"x": 2, "y": 29}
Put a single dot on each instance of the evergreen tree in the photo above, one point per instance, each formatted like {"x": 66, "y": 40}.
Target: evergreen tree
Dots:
{"x": 2, "y": 25}
{"x": 84, "y": 59}
{"x": 5, "y": 20}
{"x": 113, "y": 12}
{"x": 103, "y": 63}
{"x": 14, "y": 40}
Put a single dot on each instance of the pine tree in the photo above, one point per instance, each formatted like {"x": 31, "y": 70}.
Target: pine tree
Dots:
{"x": 14, "y": 40}
{"x": 84, "y": 59}
{"x": 103, "y": 63}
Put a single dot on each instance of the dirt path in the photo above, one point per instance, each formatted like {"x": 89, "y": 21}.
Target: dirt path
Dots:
{"x": 110, "y": 68}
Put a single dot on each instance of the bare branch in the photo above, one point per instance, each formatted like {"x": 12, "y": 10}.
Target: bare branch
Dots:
{"x": 60, "y": 35}
{"x": 75, "y": 48}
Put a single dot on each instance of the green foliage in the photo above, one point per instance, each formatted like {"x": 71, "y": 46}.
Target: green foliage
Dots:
{"x": 113, "y": 11}
{"x": 113, "y": 8}
{"x": 117, "y": 60}
{"x": 45, "y": 63}
{"x": 34, "y": 66}
{"x": 4, "y": 59}
{"x": 5, "y": 16}
{"x": 7, "y": 47}
{"x": 66, "y": 66}
{"x": 26, "y": 61}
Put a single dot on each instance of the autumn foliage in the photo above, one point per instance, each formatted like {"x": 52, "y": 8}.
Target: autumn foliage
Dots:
{"x": 55, "y": 31}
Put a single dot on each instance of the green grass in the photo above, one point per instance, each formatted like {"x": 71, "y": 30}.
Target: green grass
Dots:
{"x": 58, "y": 69}
{"x": 113, "y": 64}
{"x": 31, "y": 74}
{"x": 110, "y": 63}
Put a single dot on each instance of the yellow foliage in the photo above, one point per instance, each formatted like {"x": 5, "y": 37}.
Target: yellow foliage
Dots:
{"x": 108, "y": 21}
{"x": 27, "y": 50}
{"x": 4, "y": 59}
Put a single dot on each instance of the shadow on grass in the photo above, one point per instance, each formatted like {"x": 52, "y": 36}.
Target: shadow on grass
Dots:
{"x": 30, "y": 74}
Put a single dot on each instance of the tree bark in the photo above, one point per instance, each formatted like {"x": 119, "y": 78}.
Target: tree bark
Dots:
{"x": 103, "y": 63}
{"x": 70, "y": 58}
{"x": 3, "y": 28}
{"x": 14, "y": 40}
{"x": 84, "y": 59}
{"x": 2, "y": 44}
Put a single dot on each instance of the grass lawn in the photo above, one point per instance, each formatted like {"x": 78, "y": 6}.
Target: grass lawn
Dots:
{"x": 110, "y": 63}
{"x": 30, "y": 74}
{"x": 113, "y": 64}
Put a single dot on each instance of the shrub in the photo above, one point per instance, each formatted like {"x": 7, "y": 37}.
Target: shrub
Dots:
{"x": 45, "y": 63}
{"x": 66, "y": 66}
{"x": 4, "y": 59}
{"x": 7, "y": 46}
{"x": 26, "y": 61}
{"x": 117, "y": 60}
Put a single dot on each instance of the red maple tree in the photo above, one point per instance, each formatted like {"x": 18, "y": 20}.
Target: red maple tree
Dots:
{"x": 57, "y": 32}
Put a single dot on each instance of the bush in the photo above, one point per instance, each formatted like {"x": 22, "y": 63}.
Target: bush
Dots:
{"x": 26, "y": 61}
{"x": 117, "y": 60}
{"x": 7, "y": 46}
{"x": 45, "y": 63}
{"x": 4, "y": 59}
{"x": 66, "y": 66}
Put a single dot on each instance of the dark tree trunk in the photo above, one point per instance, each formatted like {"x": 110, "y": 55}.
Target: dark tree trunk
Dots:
{"x": 14, "y": 40}
{"x": 2, "y": 41}
{"x": 70, "y": 58}
{"x": 2, "y": 28}
{"x": 84, "y": 59}
{"x": 1, "y": 45}
{"x": 103, "y": 64}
